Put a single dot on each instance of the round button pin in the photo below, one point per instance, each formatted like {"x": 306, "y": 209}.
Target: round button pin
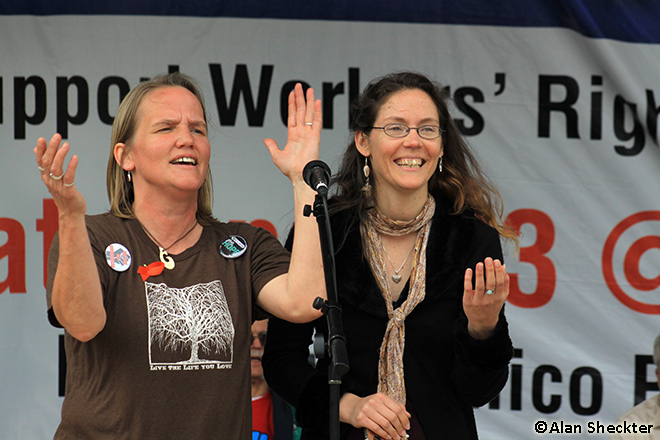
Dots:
{"x": 118, "y": 257}
{"x": 233, "y": 247}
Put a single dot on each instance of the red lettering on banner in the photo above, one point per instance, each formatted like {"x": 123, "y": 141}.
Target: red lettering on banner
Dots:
{"x": 14, "y": 250}
{"x": 261, "y": 223}
{"x": 631, "y": 262}
{"x": 48, "y": 225}
{"x": 535, "y": 255}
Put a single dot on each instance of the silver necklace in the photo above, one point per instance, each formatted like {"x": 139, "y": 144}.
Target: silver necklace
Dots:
{"x": 396, "y": 277}
{"x": 163, "y": 255}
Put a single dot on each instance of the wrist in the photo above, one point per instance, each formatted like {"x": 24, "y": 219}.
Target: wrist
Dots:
{"x": 480, "y": 332}
{"x": 346, "y": 404}
{"x": 67, "y": 221}
{"x": 303, "y": 193}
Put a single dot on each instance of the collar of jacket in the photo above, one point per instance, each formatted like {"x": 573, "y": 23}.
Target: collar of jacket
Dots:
{"x": 445, "y": 259}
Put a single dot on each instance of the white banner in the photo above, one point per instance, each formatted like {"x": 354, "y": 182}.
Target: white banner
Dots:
{"x": 565, "y": 125}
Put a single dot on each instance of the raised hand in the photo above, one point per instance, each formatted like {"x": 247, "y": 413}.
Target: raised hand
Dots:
{"x": 483, "y": 303}
{"x": 77, "y": 299}
{"x": 303, "y": 134}
{"x": 59, "y": 181}
{"x": 290, "y": 296}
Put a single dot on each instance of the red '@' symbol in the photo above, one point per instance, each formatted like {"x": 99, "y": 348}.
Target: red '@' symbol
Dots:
{"x": 631, "y": 262}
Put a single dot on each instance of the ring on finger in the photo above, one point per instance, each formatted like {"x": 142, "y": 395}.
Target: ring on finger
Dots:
{"x": 490, "y": 292}
{"x": 68, "y": 185}
{"x": 56, "y": 177}
{"x": 309, "y": 123}
{"x": 42, "y": 169}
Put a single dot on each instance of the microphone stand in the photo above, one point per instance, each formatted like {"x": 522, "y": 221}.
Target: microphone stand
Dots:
{"x": 336, "y": 341}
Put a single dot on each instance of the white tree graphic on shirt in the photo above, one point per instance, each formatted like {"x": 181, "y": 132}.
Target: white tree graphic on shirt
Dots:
{"x": 195, "y": 317}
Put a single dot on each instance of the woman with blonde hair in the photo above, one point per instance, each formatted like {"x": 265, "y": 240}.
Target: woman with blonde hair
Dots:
{"x": 157, "y": 297}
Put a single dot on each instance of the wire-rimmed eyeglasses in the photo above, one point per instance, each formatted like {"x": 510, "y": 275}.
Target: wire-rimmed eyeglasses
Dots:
{"x": 398, "y": 130}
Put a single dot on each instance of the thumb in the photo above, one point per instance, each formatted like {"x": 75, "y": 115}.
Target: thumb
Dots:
{"x": 272, "y": 147}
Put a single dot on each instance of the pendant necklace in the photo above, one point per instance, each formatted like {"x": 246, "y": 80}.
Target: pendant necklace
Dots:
{"x": 396, "y": 277}
{"x": 164, "y": 256}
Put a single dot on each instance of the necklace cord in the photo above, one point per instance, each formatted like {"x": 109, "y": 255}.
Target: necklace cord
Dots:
{"x": 158, "y": 243}
{"x": 396, "y": 277}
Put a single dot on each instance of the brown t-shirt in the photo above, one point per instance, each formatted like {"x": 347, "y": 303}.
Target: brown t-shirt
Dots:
{"x": 172, "y": 361}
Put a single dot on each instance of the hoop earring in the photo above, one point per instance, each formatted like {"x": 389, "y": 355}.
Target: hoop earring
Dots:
{"x": 440, "y": 164}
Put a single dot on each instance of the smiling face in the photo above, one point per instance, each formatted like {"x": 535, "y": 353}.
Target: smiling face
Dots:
{"x": 402, "y": 166}
{"x": 170, "y": 150}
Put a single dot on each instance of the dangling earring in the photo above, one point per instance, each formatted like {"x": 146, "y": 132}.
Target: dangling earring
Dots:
{"x": 366, "y": 171}
{"x": 129, "y": 178}
{"x": 440, "y": 164}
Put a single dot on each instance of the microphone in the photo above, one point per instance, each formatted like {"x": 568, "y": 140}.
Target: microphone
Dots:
{"x": 317, "y": 175}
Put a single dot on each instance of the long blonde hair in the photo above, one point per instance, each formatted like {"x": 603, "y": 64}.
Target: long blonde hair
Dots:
{"x": 120, "y": 190}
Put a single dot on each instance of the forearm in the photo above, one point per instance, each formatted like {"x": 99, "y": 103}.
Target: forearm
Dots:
{"x": 306, "y": 279}
{"x": 77, "y": 299}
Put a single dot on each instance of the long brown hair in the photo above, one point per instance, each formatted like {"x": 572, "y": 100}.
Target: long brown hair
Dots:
{"x": 462, "y": 181}
{"x": 120, "y": 190}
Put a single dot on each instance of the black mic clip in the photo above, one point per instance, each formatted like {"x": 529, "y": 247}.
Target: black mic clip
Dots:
{"x": 317, "y": 175}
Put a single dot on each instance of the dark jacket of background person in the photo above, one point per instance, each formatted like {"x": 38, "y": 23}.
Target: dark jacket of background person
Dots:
{"x": 282, "y": 418}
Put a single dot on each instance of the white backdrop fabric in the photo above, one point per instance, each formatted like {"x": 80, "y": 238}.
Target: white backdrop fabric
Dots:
{"x": 566, "y": 126}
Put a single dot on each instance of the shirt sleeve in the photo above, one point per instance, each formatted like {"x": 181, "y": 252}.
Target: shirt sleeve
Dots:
{"x": 269, "y": 260}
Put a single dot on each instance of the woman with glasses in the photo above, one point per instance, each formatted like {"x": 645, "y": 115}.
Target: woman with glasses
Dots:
{"x": 421, "y": 282}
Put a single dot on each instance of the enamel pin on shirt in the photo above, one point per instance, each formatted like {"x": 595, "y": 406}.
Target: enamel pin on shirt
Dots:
{"x": 233, "y": 247}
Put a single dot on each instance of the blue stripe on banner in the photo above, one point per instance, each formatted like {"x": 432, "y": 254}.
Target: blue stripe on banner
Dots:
{"x": 625, "y": 20}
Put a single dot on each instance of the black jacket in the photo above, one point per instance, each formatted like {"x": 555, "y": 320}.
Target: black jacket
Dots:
{"x": 446, "y": 371}
{"x": 282, "y": 418}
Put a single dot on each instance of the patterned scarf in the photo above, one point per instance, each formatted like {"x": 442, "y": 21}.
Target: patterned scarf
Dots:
{"x": 390, "y": 366}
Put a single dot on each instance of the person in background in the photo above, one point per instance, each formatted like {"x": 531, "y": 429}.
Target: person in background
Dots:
{"x": 157, "y": 297}
{"x": 645, "y": 414}
{"x": 421, "y": 281}
{"x": 272, "y": 417}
